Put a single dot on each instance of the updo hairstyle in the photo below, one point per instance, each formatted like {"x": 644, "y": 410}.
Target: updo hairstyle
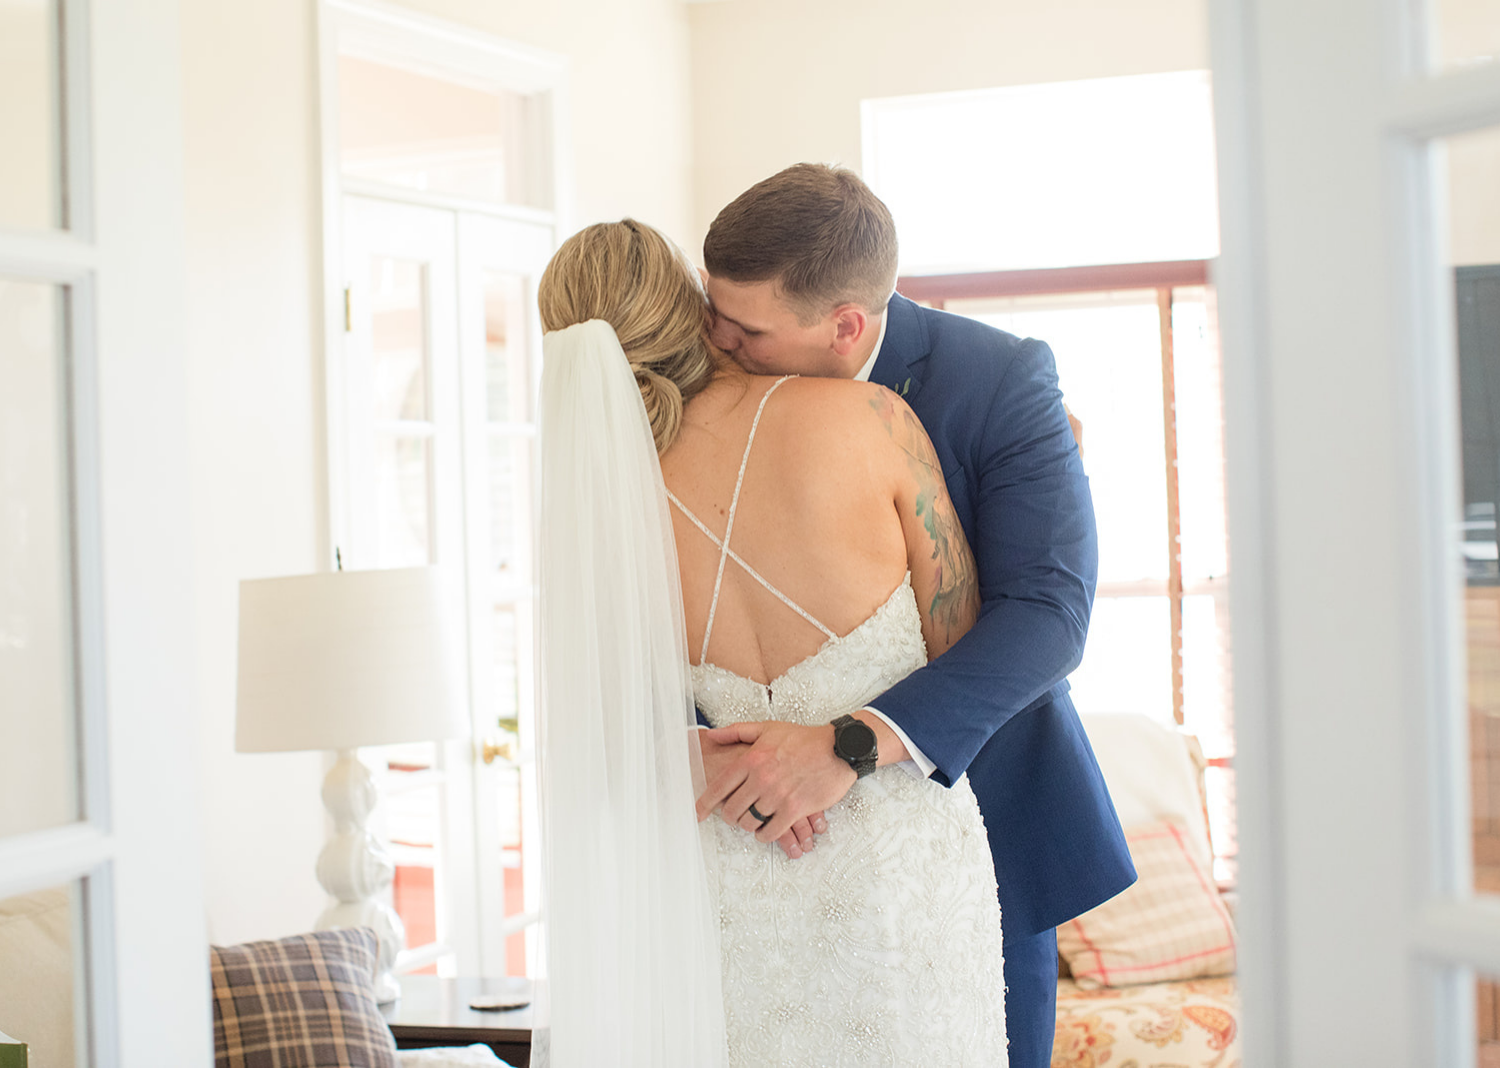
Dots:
{"x": 636, "y": 280}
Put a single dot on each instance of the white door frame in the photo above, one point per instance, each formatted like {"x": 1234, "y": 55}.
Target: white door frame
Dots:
{"x": 137, "y": 841}
{"x": 1341, "y": 423}
{"x": 397, "y": 37}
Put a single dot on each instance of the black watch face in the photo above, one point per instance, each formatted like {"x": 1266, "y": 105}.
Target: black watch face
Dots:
{"x": 856, "y": 741}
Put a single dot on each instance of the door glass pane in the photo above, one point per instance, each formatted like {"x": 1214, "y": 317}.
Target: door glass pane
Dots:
{"x": 411, "y": 794}
{"x": 38, "y": 717}
{"x": 41, "y": 975}
{"x": 1487, "y": 1022}
{"x": 507, "y": 367}
{"x": 1467, "y": 33}
{"x": 398, "y": 339}
{"x": 510, "y": 507}
{"x": 412, "y": 130}
{"x": 1469, "y": 174}
{"x": 31, "y": 178}
{"x": 403, "y": 480}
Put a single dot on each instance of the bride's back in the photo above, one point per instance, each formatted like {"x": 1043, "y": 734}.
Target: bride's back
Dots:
{"x": 817, "y": 515}
{"x": 842, "y": 492}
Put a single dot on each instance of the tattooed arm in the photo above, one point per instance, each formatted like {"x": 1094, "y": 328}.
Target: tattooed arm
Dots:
{"x": 943, "y": 573}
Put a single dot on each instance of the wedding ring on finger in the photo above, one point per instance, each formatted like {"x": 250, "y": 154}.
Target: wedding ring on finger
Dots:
{"x": 756, "y": 815}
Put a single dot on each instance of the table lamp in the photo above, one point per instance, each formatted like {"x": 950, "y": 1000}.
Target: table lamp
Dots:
{"x": 337, "y": 661}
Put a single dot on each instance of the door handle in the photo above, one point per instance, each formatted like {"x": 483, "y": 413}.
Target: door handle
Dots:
{"x": 506, "y": 750}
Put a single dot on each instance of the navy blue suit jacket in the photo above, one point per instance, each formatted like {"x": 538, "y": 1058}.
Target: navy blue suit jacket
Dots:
{"x": 996, "y": 704}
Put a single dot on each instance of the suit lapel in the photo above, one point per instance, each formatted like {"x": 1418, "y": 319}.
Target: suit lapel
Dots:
{"x": 903, "y": 353}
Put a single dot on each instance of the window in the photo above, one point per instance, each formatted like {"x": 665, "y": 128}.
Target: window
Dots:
{"x": 1138, "y": 364}
{"x": 1111, "y": 170}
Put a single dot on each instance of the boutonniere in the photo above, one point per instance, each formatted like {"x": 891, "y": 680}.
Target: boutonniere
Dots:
{"x": 904, "y": 387}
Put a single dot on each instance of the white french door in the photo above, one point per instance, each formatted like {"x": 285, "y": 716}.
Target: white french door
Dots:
{"x": 1359, "y": 168}
{"x": 99, "y": 847}
{"x": 439, "y": 372}
{"x": 500, "y": 262}
{"x": 439, "y": 216}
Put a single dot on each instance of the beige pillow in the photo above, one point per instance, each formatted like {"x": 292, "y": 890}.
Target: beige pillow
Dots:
{"x": 306, "y": 1001}
{"x": 1170, "y": 925}
{"x": 36, "y": 973}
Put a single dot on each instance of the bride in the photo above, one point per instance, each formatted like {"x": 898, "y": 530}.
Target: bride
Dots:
{"x": 767, "y": 549}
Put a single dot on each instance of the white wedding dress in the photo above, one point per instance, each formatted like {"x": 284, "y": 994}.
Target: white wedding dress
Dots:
{"x": 882, "y": 945}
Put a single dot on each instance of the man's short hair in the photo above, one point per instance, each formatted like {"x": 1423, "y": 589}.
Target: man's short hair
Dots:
{"x": 818, "y": 231}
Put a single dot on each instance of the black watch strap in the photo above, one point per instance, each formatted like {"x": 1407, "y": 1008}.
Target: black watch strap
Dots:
{"x": 855, "y": 744}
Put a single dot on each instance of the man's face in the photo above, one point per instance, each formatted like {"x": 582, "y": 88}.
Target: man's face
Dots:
{"x": 759, "y": 330}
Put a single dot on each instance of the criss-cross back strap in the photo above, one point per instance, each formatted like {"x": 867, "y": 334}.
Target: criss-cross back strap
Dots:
{"x": 756, "y": 575}
{"x": 725, "y": 552}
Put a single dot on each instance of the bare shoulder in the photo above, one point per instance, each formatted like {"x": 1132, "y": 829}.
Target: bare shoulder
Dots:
{"x": 841, "y": 408}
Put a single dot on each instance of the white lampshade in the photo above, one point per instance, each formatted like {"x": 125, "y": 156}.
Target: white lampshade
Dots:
{"x": 347, "y": 659}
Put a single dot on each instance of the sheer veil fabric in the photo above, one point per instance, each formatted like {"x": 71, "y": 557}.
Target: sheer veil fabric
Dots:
{"x": 630, "y": 921}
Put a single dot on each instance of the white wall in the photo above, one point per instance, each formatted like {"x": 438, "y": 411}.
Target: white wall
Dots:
{"x": 777, "y": 82}
{"x": 254, "y": 267}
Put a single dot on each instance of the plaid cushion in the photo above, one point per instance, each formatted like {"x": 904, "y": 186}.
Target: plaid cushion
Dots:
{"x": 302, "y": 1002}
{"x": 1171, "y": 924}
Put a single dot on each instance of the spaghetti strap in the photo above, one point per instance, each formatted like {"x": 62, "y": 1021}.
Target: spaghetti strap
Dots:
{"x": 745, "y": 566}
{"x": 725, "y": 552}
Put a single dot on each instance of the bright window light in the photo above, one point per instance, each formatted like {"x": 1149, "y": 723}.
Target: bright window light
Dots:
{"x": 1111, "y": 170}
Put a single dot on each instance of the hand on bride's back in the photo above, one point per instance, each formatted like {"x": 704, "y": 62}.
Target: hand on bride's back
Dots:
{"x": 720, "y": 757}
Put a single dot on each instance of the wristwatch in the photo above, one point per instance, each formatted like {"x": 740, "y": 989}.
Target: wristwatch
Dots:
{"x": 854, "y": 743}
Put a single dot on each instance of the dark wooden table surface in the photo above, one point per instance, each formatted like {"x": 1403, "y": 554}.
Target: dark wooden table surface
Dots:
{"x": 435, "y": 1012}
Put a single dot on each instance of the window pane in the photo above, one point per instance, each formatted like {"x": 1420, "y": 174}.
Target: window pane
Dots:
{"x": 1119, "y": 170}
{"x": 398, "y": 339}
{"x": 38, "y": 716}
{"x": 411, "y": 130}
{"x": 1127, "y": 664}
{"x": 30, "y": 180}
{"x": 403, "y": 477}
{"x": 41, "y": 974}
{"x": 507, "y": 366}
{"x": 1199, "y": 415}
{"x": 1467, "y": 33}
{"x": 1470, "y": 170}
{"x": 1108, "y": 351}
{"x": 510, "y": 507}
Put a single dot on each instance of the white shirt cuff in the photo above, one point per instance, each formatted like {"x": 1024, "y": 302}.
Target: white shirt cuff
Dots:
{"x": 918, "y": 766}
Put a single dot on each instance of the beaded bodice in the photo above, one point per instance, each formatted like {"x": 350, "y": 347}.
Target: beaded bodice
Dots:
{"x": 882, "y": 945}
{"x": 840, "y": 677}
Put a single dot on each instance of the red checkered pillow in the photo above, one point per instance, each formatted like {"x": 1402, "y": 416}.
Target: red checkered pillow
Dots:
{"x": 302, "y": 1002}
{"x": 1170, "y": 925}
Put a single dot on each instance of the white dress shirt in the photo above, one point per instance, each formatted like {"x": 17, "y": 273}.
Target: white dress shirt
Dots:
{"x": 918, "y": 765}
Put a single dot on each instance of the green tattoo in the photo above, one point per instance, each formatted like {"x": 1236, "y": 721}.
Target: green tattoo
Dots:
{"x": 955, "y": 598}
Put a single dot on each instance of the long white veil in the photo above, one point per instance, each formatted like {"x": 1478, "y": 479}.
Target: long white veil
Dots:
{"x": 631, "y": 917}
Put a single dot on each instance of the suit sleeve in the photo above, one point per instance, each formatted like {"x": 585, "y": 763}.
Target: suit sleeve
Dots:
{"x": 1037, "y": 552}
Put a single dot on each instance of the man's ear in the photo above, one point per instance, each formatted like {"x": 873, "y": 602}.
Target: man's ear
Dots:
{"x": 850, "y": 322}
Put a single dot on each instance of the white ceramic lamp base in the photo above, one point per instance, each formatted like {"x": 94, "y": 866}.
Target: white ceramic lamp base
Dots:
{"x": 355, "y": 868}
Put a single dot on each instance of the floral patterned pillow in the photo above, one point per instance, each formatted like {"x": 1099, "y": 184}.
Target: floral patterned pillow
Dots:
{"x": 1171, "y": 924}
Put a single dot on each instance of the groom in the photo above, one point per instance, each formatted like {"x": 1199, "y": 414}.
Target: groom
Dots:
{"x": 786, "y": 264}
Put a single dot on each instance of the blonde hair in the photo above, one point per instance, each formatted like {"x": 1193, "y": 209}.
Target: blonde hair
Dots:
{"x": 633, "y": 278}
